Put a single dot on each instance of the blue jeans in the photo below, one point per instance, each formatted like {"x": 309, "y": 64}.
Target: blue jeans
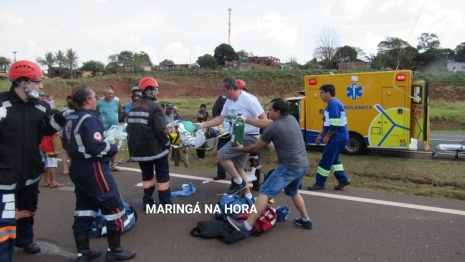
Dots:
{"x": 283, "y": 178}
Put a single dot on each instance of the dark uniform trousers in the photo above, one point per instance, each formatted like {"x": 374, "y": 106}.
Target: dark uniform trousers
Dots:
{"x": 95, "y": 189}
{"x": 162, "y": 175}
{"x": 16, "y": 226}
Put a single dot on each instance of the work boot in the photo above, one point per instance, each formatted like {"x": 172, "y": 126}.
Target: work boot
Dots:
{"x": 33, "y": 248}
{"x": 115, "y": 251}
{"x": 84, "y": 252}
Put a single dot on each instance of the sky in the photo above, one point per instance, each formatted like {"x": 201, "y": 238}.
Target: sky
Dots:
{"x": 183, "y": 30}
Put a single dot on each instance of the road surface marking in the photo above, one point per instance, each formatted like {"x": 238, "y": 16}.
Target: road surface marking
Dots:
{"x": 357, "y": 199}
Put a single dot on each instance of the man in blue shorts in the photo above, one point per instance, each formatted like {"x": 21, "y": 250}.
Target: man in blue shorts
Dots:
{"x": 285, "y": 133}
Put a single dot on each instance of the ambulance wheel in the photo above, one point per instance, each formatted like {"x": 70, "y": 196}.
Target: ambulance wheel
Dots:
{"x": 355, "y": 146}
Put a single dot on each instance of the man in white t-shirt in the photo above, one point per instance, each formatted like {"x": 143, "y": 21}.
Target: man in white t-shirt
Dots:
{"x": 232, "y": 160}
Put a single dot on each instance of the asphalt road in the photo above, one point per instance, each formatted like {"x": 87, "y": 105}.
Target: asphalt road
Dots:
{"x": 348, "y": 225}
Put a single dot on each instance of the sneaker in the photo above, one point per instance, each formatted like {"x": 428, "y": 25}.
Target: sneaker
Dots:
{"x": 316, "y": 187}
{"x": 33, "y": 248}
{"x": 235, "y": 188}
{"x": 239, "y": 226}
{"x": 219, "y": 177}
{"x": 199, "y": 158}
{"x": 341, "y": 185}
{"x": 299, "y": 222}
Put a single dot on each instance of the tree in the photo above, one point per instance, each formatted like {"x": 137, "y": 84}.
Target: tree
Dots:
{"x": 126, "y": 58}
{"x": 93, "y": 66}
{"x": 4, "y": 61}
{"x": 223, "y": 53}
{"x": 144, "y": 57}
{"x": 312, "y": 64}
{"x": 397, "y": 53}
{"x": 242, "y": 55}
{"x": 427, "y": 42}
{"x": 460, "y": 53}
{"x": 375, "y": 61}
{"x": 207, "y": 61}
{"x": 346, "y": 54}
{"x": 48, "y": 61}
{"x": 111, "y": 68}
{"x": 60, "y": 58}
{"x": 166, "y": 62}
{"x": 71, "y": 59}
{"x": 327, "y": 43}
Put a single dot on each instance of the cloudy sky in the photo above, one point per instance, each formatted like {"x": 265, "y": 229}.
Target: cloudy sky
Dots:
{"x": 183, "y": 30}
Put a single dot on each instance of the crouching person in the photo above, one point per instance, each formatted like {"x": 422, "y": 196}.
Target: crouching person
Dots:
{"x": 285, "y": 133}
{"x": 90, "y": 172}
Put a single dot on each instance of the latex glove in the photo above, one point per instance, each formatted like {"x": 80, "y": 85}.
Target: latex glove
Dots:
{"x": 243, "y": 118}
{"x": 199, "y": 126}
{"x": 67, "y": 113}
{"x": 270, "y": 146}
{"x": 2, "y": 112}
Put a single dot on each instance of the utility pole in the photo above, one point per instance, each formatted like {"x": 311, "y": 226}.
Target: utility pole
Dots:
{"x": 14, "y": 52}
{"x": 229, "y": 32}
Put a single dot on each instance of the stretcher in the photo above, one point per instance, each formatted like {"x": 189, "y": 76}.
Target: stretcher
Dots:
{"x": 456, "y": 148}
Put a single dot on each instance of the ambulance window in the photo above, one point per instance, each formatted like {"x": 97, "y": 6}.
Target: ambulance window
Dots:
{"x": 416, "y": 94}
{"x": 294, "y": 109}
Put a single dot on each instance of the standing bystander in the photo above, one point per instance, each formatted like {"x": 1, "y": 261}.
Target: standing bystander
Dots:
{"x": 108, "y": 110}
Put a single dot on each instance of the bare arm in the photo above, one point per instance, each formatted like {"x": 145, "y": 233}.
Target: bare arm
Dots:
{"x": 259, "y": 145}
{"x": 214, "y": 122}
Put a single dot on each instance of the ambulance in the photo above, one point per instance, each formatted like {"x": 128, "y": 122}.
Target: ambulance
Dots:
{"x": 385, "y": 109}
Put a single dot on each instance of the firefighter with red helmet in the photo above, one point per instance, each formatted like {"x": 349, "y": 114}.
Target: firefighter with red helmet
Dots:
{"x": 24, "y": 119}
{"x": 146, "y": 119}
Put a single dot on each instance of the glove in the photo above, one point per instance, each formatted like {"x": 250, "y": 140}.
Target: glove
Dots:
{"x": 67, "y": 113}
{"x": 243, "y": 118}
{"x": 2, "y": 112}
{"x": 199, "y": 126}
{"x": 270, "y": 146}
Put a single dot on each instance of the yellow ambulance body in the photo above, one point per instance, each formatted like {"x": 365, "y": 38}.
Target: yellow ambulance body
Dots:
{"x": 385, "y": 109}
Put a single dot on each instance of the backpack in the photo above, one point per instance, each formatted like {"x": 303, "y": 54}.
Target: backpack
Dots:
{"x": 217, "y": 229}
{"x": 210, "y": 229}
{"x": 235, "y": 205}
{"x": 99, "y": 227}
{"x": 264, "y": 223}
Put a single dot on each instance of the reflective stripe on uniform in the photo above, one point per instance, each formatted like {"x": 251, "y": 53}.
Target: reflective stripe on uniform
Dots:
{"x": 148, "y": 183}
{"x": 114, "y": 216}
{"x": 163, "y": 186}
{"x": 7, "y": 233}
{"x": 322, "y": 171}
{"x": 138, "y": 120}
{"x": 338, "y": 167}
{"x": 9, "y": 212}
{"x": 150, "y": 158}
{"x": 138, "y": 113}
{"x": 81, "y": 147}
{"x": 85, "y": 213}
{"x": 32, "y": 181}
{"x": 20, "y": 214}
{"x": 8, "y": 187}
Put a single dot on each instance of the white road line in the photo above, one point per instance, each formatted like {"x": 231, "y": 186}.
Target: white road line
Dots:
{"x": 357, "y": 199}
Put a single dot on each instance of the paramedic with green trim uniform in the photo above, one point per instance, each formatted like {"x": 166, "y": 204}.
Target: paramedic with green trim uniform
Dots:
{"x": 335, "y": 135}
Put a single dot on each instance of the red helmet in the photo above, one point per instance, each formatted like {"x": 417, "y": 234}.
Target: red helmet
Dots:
{"x": 241, "y": 84}
{"x": 148, "y": 82}
{"x": 24, "y": 68}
